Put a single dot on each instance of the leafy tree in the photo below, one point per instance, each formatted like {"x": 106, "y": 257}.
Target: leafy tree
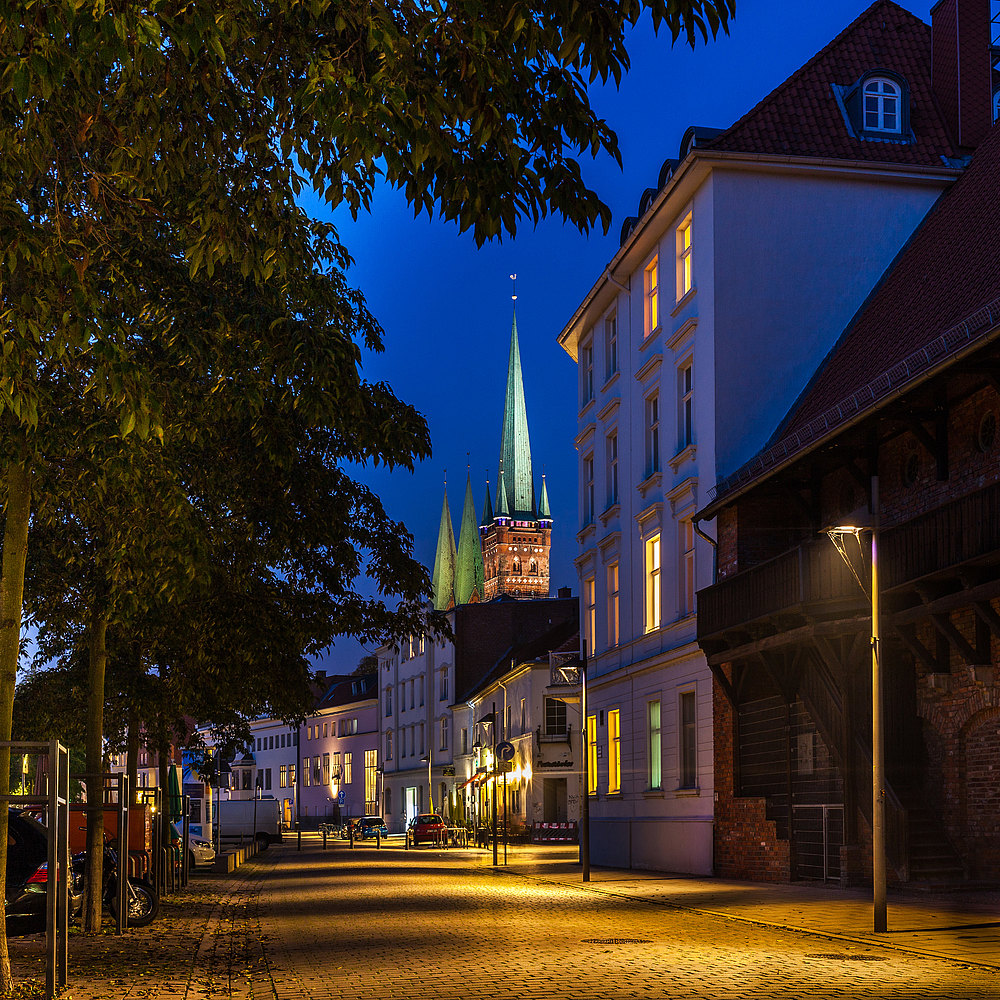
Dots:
{"x": 140, "y": 143}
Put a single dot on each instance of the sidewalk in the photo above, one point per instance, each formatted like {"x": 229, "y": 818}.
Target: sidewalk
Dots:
{"x": 961, "y": 926}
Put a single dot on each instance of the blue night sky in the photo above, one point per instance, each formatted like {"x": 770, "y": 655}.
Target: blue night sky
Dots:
{"x": 446, "y": 307}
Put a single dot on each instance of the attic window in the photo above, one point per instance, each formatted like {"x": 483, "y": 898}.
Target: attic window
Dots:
{"x": 877, "y": 107}
{"x": 882, "y": 105}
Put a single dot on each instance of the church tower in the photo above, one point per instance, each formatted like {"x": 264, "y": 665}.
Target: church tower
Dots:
{"x": 516, "y": 538}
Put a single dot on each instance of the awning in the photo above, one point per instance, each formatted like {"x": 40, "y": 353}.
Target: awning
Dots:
{"x": 476, "y": 777}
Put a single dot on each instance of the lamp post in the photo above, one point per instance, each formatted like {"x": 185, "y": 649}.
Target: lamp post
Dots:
{"x": 581, "y": 676}
{"x": 838, "y": 536}
{"x": 490, "y": 719}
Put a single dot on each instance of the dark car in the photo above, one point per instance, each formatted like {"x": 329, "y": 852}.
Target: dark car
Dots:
{"x": 427, "y": 827}
{"x": 368, "y": 827}
{"x": 27, "y": 873}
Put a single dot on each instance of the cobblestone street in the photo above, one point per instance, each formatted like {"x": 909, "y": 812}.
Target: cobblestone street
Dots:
{"x": 429, "y": 924}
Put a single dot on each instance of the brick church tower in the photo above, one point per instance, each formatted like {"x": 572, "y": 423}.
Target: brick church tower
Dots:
{"x": 516, "y": 538}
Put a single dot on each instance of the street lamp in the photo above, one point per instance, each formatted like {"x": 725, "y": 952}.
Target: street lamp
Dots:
{"x": 581, "y": 675}
{"x": 840, "y": 535}
{"x": 489, "y": 719}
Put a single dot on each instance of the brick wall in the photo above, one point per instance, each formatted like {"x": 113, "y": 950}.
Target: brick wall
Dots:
{"x": 746, "y": 845}
{"x": 961, "y": 711}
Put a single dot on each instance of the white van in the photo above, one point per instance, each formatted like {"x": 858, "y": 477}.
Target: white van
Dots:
{"x": 237, "y": 821}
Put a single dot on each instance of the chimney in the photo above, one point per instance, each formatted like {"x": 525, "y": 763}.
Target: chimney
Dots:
{"x": 961, "y": 69}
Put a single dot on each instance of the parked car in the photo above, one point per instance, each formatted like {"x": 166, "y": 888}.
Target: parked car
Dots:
{"x": 427, "y": 827}
{"x": 350, "y": 825}
{"x": 27, "y": 874}
{"x": 200, "y": 850}
{"x": 367, "y": 828}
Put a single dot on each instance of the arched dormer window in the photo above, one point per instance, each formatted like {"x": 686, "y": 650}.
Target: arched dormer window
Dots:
{"x": 533, "y": 568}
{"x": 882, "y": 105}
{"x": 877, "y": 107}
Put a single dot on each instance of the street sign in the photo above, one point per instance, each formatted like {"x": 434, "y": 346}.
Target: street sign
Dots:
{"x": 341, "y": 797}
{"x": 505, "y": 767}
{"x": 505, "y": 750}
{"x": 448, "y": 771}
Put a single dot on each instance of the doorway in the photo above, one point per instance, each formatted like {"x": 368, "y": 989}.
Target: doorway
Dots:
{"x": 554, "y": 800}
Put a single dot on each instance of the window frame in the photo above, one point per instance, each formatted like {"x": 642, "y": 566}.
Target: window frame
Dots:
{"x": 684, "y": 253}
{"x": 654, "y": 744}
{"x": 610, "y": 345}
{"x": 652, "y": 548}
{"x": 651, "y": 406}
{"x": 687, "y": 739}
{"x": 614, "y": 609}
{"x": 651, "y": 297}
{"x": 611, "y": 448}
{"x": 614, "y": 751}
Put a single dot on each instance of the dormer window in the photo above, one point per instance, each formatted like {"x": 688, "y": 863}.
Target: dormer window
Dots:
{"x": 882, "y": 105}
{"x": 876, "y": 107}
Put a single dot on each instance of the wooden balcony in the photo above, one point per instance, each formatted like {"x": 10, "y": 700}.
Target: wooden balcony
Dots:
{"x": 811, "y": 582}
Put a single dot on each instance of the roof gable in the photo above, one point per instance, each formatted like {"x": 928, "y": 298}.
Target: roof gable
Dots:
{"x": 802, "y": 117}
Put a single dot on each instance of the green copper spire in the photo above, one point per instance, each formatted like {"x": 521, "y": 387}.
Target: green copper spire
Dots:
{"x": 502, "y": 509}
{"x": 487, "y": 509}
{"x": 515, "y": 449}
{"x": 470, "y": 578}
{"x": 443, "y": 580}
{"x": 544, "y": 514}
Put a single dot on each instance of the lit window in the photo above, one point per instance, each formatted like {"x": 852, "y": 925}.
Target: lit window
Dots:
{"x": 612, "y": 448}
{"x": 654, "y": 774}
{"x": 652, "y": 434}
{"x": 610, "y": 345}
{"x": 325, "y": 776}
{"x": 371, "y": 778}
{"x": 688, "y": 742}
{"x": 291, "y": 775}
{"x": 589, "y": 612}
{"x": 684, "y": 273}
{"x": 686, "y": 567}
{"x": 587, "y": 370}
{"x": 882, "y": 105}
{"x": 614, "y": 752}
{"x": 592, "y": 754}
{"x": 306, "y": 772}
{"x": 613, "y": 604}
{"x": 651, "y": 287}
{"x": 653, "y": 582}
{"x": 282, "y": 776}
{"x": 685, "y": 405}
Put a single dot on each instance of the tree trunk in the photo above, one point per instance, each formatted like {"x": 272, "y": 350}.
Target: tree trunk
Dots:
{"x": 15, "y": 548}
{"x": 95, "y": 768}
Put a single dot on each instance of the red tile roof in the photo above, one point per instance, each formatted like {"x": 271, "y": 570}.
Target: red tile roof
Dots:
{"x": 941, "y": 294}
{"x": 803, "y": 118}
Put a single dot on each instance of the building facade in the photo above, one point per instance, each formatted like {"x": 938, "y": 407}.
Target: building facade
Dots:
{"x": 737, "y": 275}
{"x": 897, "y": 433}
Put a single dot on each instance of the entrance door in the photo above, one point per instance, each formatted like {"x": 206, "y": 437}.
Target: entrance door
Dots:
{"x": 818, "y": 832}
{"x": 410, "y": 808}
{"x": 554, "y": 800}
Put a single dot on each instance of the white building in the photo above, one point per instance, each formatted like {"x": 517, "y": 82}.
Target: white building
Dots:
{"x": 416, "y": 687}
{"x": 745, "y": 263}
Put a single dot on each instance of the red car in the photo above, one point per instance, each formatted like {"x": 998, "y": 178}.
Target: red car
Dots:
{"x": 427, "y": 827}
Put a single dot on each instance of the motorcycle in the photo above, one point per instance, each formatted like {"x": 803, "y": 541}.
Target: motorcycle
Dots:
{"x": 142, "y": 901}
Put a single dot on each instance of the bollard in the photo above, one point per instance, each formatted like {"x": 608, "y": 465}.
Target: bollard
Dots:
{"x": 406, "y": 836}
{"x": 324, "y": 837}
{"x": 298, "y": 833}
{"x": 350, "y": 835}
{"x": 378, "y": 840}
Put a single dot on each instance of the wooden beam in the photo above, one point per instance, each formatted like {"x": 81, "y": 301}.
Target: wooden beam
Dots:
{"x": 909, "y": 636}
{"x": 804, "y": 633}
{"x": 988, "y": 615}
{"x": 961, "y": 645}
{"x": 727, "y": 689}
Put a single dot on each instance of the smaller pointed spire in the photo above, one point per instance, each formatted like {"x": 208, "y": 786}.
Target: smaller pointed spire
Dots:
{"x": 544, "y": 514}
{"x": 469, "y": 573}
{"x": 487, "y": 518}
{"x": 443, "y": 578}
{"x": 502, "y": 509}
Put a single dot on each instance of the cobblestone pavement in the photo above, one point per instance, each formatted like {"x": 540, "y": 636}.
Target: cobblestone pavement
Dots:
{"x": 429, "y": 924}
